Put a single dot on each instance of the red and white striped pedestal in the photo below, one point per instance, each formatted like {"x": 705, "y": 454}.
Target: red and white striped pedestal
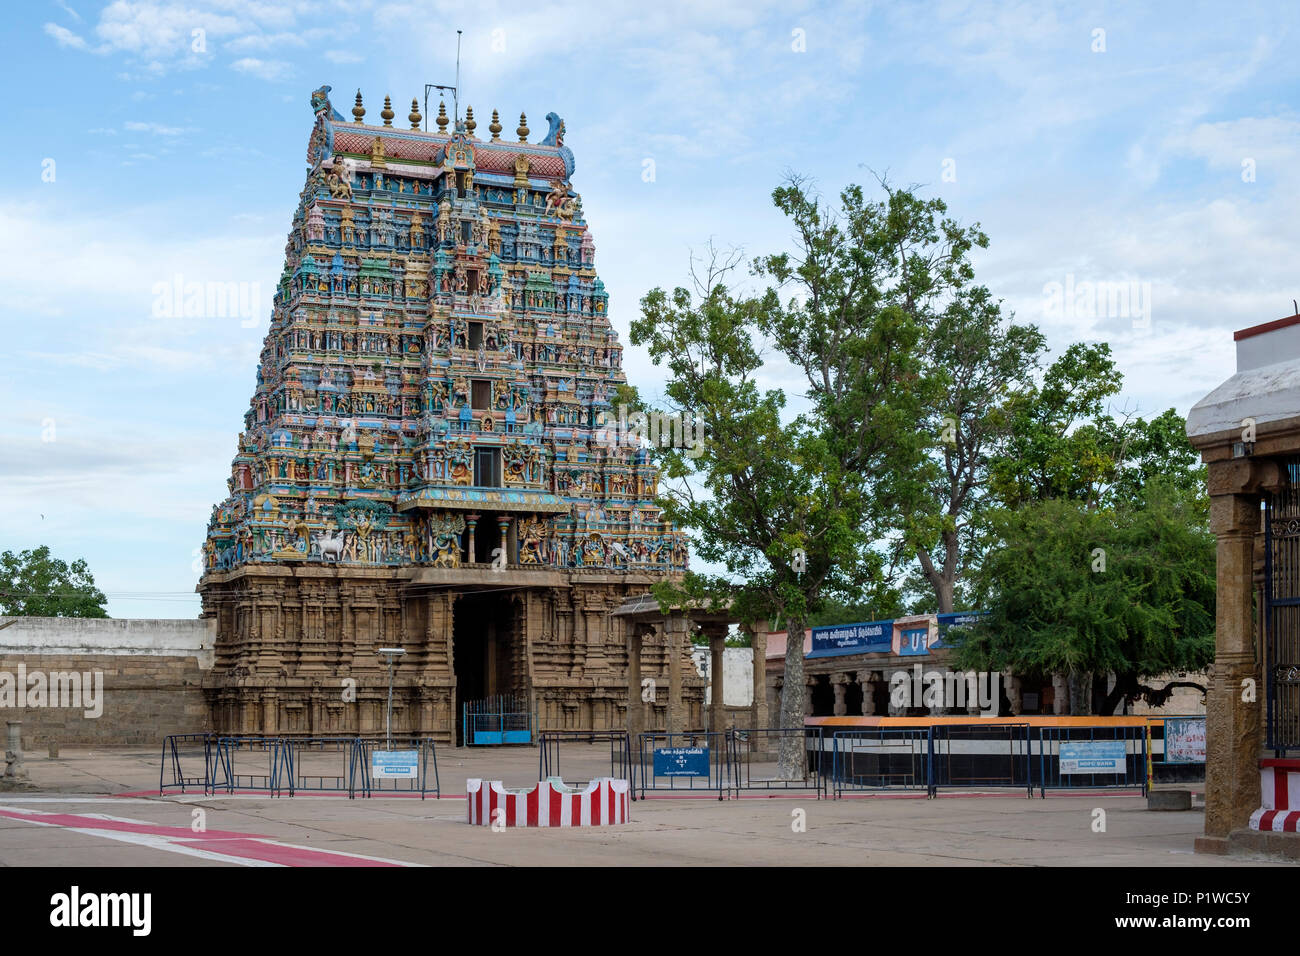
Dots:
{"x": 1279, "y": 784}
{"x": 604, "y": 802}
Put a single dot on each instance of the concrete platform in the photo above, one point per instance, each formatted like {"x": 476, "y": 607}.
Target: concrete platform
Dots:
{"x": 102, "y": 809}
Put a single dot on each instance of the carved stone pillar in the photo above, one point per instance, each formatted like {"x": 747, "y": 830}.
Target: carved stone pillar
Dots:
{"x": 840, "y": 686}
{"x": 675, "y": 629}
{"x": 758, "y": 646}
{"x": 1232, "y": 726}
{"x": 635, "y": 705}
{"x": 808, "y": 686}
{"x": 717, "y": 635}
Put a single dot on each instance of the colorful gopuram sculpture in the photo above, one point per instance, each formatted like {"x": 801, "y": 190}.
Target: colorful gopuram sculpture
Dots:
{"x": 431, "y": 456}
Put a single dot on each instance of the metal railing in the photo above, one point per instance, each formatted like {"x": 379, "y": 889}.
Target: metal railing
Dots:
{"x": 684, "y": 762}
{"x": 754, "y": 757}
{"x": 278, "y": 765}
{"x": 981, "y": 757}
{"x": 1092, "y": 758}
{"x": 879, "y": 759}
{"x": 618, "y": 748}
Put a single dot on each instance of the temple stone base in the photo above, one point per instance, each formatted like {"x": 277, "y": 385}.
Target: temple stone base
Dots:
{"x": 297, "y": 650}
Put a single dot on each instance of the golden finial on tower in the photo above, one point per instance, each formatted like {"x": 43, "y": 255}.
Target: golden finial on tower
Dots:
{"x": 442, "y": 120}
{"x": 358, "y": 111}
{"x": 522, "y": 130}
{"x": 470, "y": 125}
{"x": 415, "y": 116}
{"x": 387, "y": 111}
{"x": 495, "y": 127}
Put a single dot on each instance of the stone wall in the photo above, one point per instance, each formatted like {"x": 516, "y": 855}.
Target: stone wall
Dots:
{"x": 84, "y": 682}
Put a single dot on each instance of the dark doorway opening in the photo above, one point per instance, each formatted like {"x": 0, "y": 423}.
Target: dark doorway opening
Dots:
{"x": 823, "y": 698}
{"x": 484, "y": 648}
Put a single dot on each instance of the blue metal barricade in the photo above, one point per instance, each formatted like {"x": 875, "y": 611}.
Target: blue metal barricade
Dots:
{"x": 981, "y": 756}
{"x": 615, "y": 745}
{"x": 319, "y": 765}
{"x": 190, "y": 758}
{"x": 415, "y": 769}
{"x": 1092, "y": 758}
{"x": 684, "y": 762}
{"x": 248, "y": 763}
{"x": 755, "y": 760}
{"x": 880, "y": 758}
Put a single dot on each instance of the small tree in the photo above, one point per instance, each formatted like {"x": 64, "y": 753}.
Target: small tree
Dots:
{"x": 34, "y": 584}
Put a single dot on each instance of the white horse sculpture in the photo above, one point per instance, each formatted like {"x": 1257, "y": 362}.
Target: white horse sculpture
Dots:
{"x": 328, "y": 544}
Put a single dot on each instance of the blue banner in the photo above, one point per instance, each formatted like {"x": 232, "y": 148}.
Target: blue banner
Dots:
{"x": 1093, "y": 756}
{"x": 914, "y": 641}
{"x": 955, "y": 619}
{"x": 872, "y": 637}
{"x": 681, "y": 761}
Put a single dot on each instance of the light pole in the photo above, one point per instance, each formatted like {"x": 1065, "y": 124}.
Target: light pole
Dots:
{"x": 390, "y": 653}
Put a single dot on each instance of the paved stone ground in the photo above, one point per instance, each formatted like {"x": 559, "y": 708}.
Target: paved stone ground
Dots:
{"x": 75, "y": 819}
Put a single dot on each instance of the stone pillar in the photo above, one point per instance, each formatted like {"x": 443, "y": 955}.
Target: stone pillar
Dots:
{"x": 758, "y": 647}
{"x": 675, "y": 638}
{"x": 1011, "y": 686}
{"x": 1232, "y": 726}
{"x": 503, "y": 524}
{"x": 471, "y": 522}
{"x": 14, "y": 769}
{"x": 808, "y": 686}
{"x": 1060, "y": 694}
{"x": 717, "y": 635}
{"x": 635, "y": 706}
{"x": 840, "y": 686}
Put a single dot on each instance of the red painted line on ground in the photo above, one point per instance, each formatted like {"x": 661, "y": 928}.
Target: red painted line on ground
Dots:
{"x": 152, "y": 829}
{"x": 285, "y": 793}
{"x": 253, "y": 849}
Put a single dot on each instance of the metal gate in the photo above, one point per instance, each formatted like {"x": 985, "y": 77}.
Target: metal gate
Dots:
{"x": 1282, "y": 612}
{"x": 501, "y": 719}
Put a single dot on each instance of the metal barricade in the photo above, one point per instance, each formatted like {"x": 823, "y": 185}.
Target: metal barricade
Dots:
{"x": 319, "y": 765}
{"x": 412, "y": 778}
{"x": 190, "y": 758}
{"x": 684, "y": 762}
{"x": 617, "y": 746}
{"x": 981, "y": 756}
{"x": 880, "y": 759}
{"x": 232, "y": 770}
{"x": 1097, "y": 757}
{"x": 754, "y": 759}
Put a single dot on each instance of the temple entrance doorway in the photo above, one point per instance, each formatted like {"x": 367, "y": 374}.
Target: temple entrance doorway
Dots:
{"x": 484, "y": 648}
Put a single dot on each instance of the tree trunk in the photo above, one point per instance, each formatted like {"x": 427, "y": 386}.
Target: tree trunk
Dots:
{"x": 790, "y": 759}
{"x": 1080, "y": 685}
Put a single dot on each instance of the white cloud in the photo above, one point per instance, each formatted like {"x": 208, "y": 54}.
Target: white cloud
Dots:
{"x": 343, "y": 56}
{"x": 65, "y": 37}
{"x": 157, "y": 128}
{"x": 270, "y": 70}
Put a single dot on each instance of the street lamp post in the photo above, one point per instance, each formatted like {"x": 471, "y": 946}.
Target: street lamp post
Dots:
{"x": 390, "y": 653}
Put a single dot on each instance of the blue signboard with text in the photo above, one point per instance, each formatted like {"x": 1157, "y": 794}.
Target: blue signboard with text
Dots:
{"x": 955, "y": 619}
{"x": 681, "y": 761}
{"x": 871, "y": 637}
{"x": 914, "y": 641}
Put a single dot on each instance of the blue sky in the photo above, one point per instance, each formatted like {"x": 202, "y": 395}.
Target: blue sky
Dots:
{"x": 1159, "y": 153}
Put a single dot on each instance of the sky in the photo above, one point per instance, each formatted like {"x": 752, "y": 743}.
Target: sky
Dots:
{"x": 1144, "y": 148}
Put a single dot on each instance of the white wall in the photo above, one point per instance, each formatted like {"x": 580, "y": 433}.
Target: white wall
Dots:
{"x": 78, "y": 636}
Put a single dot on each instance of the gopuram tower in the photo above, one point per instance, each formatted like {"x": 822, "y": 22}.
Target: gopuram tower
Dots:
{"x": 432, "y": 457}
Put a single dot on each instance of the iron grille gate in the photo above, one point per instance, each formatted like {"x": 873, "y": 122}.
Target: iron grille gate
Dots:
{"x": 1282, "y": 612}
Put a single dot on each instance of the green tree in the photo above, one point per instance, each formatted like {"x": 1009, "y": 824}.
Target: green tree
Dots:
{"x": 34, "y": 584}
{"x": 790, "y": 504}
{"x": 1126, "y": 589}
{"x": 981, "y": 362}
